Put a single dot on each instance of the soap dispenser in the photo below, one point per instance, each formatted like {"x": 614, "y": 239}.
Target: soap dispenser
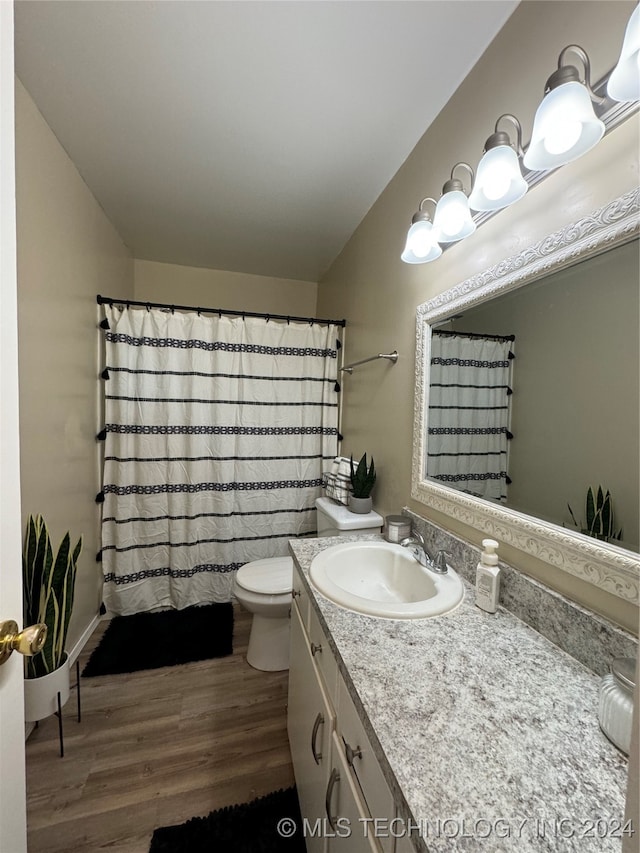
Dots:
{"x": 488, "y": 577}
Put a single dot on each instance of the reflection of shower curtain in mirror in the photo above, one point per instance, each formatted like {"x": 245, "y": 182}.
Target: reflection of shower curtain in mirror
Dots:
{"x": 217, "y": 433}
{"x": 469, "y": 412}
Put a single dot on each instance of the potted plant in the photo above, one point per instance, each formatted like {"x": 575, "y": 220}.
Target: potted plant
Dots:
{"x": 49, "y": 585}
{"x": 363, "y": 478}
{"x": 599, "y": 516}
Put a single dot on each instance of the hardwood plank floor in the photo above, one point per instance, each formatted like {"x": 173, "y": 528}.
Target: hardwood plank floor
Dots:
{"x": 156, "y": 748}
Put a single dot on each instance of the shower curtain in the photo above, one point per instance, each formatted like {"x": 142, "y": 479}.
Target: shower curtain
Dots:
{"x": 217, "y": 430}
{"x": 469, "y": 412}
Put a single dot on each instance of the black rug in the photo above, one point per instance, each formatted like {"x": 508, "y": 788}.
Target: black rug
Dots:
{"x": 271, "y": 824}
{"x": 167, "y": 638}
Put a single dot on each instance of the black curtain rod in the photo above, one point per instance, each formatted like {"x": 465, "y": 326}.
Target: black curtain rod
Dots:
{"x": 107, "y": 300}
{"x": 475, "y": 335}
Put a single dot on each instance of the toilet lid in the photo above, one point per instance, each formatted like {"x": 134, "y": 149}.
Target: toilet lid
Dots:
{"x": 273, "y": 576}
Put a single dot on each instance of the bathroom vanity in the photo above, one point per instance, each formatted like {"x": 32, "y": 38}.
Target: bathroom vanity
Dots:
{"x": 467, "y": 731}
{"x": 339, "y": 780}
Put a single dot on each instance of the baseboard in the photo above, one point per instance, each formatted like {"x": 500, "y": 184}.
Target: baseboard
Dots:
{"x": 74, "y": 654}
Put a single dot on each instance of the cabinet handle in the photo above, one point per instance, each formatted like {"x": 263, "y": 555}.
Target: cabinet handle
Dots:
{"x": 317, "y": 756}
{"x": 335, "y": 777}
{"x": 352, "y": 753}
{"x": 295, "y": 593}
{"x": 315, "y": 648}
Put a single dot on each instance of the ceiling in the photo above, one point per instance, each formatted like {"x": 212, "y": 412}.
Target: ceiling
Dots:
{"x": 240, "y": 135}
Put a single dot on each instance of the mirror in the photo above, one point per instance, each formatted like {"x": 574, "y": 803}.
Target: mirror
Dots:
{"x": 569, "y": 430}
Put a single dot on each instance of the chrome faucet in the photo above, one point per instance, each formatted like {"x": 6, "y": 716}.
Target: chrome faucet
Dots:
{"x": 417, "y": 548}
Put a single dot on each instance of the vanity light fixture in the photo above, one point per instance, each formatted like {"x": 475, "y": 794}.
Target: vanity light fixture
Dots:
{"x": 452, "y": 220}
{"x": 499, "y": 180}
{"x": 565, "y": 126}
{"x": 421, "y": 246}
{"x": 624, "y": 83}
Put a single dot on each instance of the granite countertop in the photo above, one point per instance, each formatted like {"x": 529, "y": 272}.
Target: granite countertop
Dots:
{"x": 486, "y": 732}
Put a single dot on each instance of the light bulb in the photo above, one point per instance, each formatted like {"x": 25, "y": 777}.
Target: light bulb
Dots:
{"x": 420, "y": 239}
{"x": 624, "y": 82}
{"x": 497, "y": 182}
{"x": 565, "y": 127}
{"x": 562, "y": 136}
{"x": 451, "y": 221}
{"x": 421, "y": 246}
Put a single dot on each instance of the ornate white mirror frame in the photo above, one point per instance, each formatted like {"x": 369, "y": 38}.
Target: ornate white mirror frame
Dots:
{"x": 606, "y": 566}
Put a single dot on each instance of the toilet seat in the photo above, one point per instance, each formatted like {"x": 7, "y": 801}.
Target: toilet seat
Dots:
{"x": 271, "y": 576}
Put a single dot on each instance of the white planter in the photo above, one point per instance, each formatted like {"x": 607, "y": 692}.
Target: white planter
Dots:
{"x": 41, "y": 694}
{"x": 361, "y": 506}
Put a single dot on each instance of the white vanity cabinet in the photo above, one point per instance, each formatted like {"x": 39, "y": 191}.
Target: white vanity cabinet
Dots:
{"x": 310, "y": 723}
{"x": 348, "y": 815}
{"x": 339, "y": 782}
{"x": 363, "y": 764}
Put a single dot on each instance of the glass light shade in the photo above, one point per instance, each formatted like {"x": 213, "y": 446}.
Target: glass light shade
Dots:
{"x": 499, "y": 181}
{"x": 624, "y": 83}
{"x": 565, "y": 128}
{"x": 421, "y": 246}
{"x": 452, "y": 220}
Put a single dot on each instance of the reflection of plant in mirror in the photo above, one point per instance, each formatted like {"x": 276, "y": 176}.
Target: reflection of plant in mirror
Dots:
{"x": 599, "y": 516}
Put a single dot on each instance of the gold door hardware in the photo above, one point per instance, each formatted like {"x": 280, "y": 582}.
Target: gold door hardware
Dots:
{"x": 28, "y": 641}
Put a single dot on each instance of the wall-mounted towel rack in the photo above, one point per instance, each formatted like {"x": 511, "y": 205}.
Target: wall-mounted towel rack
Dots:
{"x": 391, "y": 356}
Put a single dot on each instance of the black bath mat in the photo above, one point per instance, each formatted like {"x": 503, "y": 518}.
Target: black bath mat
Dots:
{"x": 167, "y": 638}
{"x": 271, "y": 824}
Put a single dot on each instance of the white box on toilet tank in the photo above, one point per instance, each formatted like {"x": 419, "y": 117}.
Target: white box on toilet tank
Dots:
{"x": 335, "y": 519}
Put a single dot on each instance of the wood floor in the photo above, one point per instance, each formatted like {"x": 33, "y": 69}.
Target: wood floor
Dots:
{"x": 156, "y": 748}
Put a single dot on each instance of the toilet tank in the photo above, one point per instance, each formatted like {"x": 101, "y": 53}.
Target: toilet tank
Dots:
{"x": 334, "y": 519}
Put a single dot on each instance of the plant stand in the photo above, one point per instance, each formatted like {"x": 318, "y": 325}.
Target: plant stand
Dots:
{"x": 60, "y": 699}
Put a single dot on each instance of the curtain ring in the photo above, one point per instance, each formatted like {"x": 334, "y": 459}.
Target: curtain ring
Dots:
{"x": 199, "y": 310}
{"x": 288, "y": 319}
{"x": 173, "y": 309}
{"x": 148, "y": 306}
{"x": 219, "y": 313}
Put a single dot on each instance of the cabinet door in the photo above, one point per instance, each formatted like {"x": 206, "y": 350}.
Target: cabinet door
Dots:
{"x": 323, "y": 656}
{"x": 310, "y": 722}
{"x": 364, "y": 764}
{"x": 300, "y": 597}
{"x": 349, "y": 829}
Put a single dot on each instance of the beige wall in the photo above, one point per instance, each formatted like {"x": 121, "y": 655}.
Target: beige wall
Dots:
{"x": 67, "y": 253}
{"x": 170, "y": 283}
{"x": 378, "y": 294}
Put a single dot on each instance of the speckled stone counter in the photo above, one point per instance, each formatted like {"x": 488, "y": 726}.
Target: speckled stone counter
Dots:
{"x": 486, "y": 732}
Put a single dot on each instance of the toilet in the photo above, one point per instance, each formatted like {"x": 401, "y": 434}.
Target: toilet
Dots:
{"x": 263, "y": 587}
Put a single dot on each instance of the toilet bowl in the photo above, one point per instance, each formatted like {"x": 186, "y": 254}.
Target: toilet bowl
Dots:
{"x": 263, "y": 587}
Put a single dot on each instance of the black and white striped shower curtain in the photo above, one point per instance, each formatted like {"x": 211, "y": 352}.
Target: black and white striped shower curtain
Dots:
{"x": 217, "y": 430}
{"x": 469, "y": 413}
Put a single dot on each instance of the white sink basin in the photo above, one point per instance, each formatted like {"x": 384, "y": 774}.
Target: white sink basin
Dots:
{"x": 383, "y": 579}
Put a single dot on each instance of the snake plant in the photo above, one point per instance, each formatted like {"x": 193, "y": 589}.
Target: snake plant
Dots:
{"x": 363, "y": 477}
{"x": 49, "y": 585}
{"x": 599, "y": 516}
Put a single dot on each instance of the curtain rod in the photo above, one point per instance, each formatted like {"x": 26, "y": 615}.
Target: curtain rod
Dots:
{"x": 474, "y": 335}
{"x": 108, "y": 300}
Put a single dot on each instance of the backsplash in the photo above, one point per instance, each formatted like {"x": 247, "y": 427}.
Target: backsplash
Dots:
{"x": 586, "y": 636}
